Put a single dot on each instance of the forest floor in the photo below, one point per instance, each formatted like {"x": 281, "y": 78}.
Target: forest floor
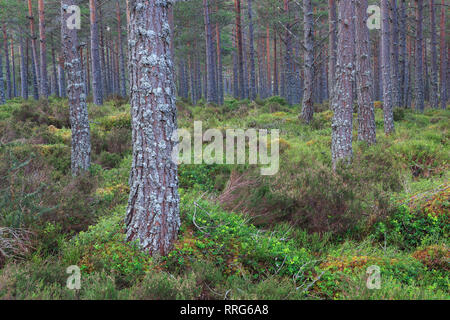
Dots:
{"x": 305, "y": 233}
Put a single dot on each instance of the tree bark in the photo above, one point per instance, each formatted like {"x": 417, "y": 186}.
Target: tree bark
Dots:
{"x": 153, "y": 206}
{"x": 240, "y": 54}
{"x": 2, "y": 85}
{"x": 332, "y": 46}
{"x": 395, "y": 55}
{"x": 34, "y": 55}
{"x": 342, "y": 107}
{"x": 43, "y": 50}
{"x": 386, "y": 69}
{"x": 252, "y": 52}
{"x": 366, "y": 112}
{"x": 443, "y": 57}
{"x": 23, "y": 70}
{"x": 308, "y": 103}
{"x": 7, "y": 65}
{"x": 79, "y": 121}
{"x": 97, "y": 85}
{"x": 211, "y": 95}
{"x": 123, "y": 88}
{"x": 419, "y": 97}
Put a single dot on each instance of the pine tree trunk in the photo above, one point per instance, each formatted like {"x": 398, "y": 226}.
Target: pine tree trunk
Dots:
{"x": 341, "y": 140}
{"x": 7, "y": 65}
{"x": 55, "y": 88}
{"x": 386, "y": 69}
{"x": 79, "y": 121}
{"x": 419, "y": 97}
{"x": 34, "y": 54}
{"x": 219, "y": 65}
{"x": 394, "y": 55}
{"x": 123, "y": 88}
{"x": 43, "y": 50}
{"x": 97, "y": 85}
{"x": 332, "y": 46}
{"x": 252, "y": 51}
{"x": 434, "y": 99}
{"x": 403, "y": 57}
{"x": 153, "y": 206}
{"x": 23, "y": 70}
{"x": 308, "y": 103}
{"x": 61, "y": 78}
{"x": 276, "y": 91}
{"x": 366, "y": 112}
{"x": 210, "y": 65}
{"x": 443, "y": 57}
{"x": 2, "y": 85}
{"x": 13, "y": 69}
{"x": 240, "y": 54}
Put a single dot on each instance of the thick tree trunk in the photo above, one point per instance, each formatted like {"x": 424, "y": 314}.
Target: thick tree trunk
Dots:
{"x": 97, "y": 85}
{"x": 403, "y": 57}
{"x": 153, "y": 206}
{"x": 275, "y": 66}
{"x": 79, "y": 121}
{"x": 43, "y": 50}
{"x": 308, "y": 103}
{"x": 219, "y": 64}
{"x": 61, "y": 78}
{"x": 55, "y": 88}
{"x": 386, "y": 69}
{"x": 419, "y": 97}
{"x": 23, "y": 70}
{"x": 341, "y": 140}
{"x": 268, "y": 69}
{"x": 444, "y": 60}
{"x": 366, "y": 112}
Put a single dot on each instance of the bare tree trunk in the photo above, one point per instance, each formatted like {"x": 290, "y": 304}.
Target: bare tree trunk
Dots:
{"x": 308, "y": 103}
{"x": 210, "y": 65}
{"x": 220, "y": 97}
{"x": 443, "y": 54}
{"x": 420, "y": 98}
{"x": 2, "y": 85}
{"x": 275, "y": 66}
{"x": 97, "y": 85}
{"x": 61, "y": 77}
{"x": 240, "y": 54}
{"x": 34, "y": 55}
{"x": 43, "y": 50}
{"x": 403, "y": 55}
{"x": 394, "y": 55}
{"x": 55, "y": 88}
{"x": 364, "y": 86}
{"x": 268, "y": 73}
{"x": 79, "y": 121}
{"x": 332, "y": 46}
{"x": 23, "y": 70}
{"x": 7, "y": 65}
{"x": 252, "y": 52}
{"x": 153, "y": 206}
{"x": 123, "y": 89}
{"x": 341, "y": 140}
{"x": 386, "y": 69}
{"x": 13, "y": 68}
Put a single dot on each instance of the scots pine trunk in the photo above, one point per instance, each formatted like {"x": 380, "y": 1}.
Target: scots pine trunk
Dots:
{"x": 434, "y": 99}
{"x": 364, "y": 87}
{"x": 403, "y": 57}
{"x": 342, "y": 107}
{"x": 332, "y": 46}
{"x": 240, "y": 54}
{"x": 211, "y": 95}
{"x": 76, "y": 91}
{"x": 419, "y": 97}
{"x": 268, "y": 72}
{"x": 35, "y": 78}
{"x": 7, "y": 65}
{"x": 220, "y": 93}
{"x": 61, "y": 78}
{"x": 123, "y": 88}
{"x": 394, "y": 55}
{"x": 308, "y": 103}
{"x": 2, "y": 85}
{"x": 97, "y": 89}
{"x": 34, "y": 55}
{"x": 153, "y": 206}
{"x": 386, "y": 69}
{"x": 252, "y": 52}
{"x": 55, "y": 88}
{"x": 443, "y": 58}
{"x": 13, "y": 69}
{"x": 275, "y": 66}
{"x": 23, "y": 70}
{"x": 43, "y": 50}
